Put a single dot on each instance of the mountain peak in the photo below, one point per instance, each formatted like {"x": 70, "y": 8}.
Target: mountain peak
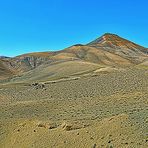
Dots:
{"x": 107, "y": 38}
{"x": 110, "y": 34}
{"x": 113, "y": 41}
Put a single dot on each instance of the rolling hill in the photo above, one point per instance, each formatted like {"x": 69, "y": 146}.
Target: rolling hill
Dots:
{"x": 92, "y": 95}
{"x": 107, "y": 50}
{"x": 5, "y": 72}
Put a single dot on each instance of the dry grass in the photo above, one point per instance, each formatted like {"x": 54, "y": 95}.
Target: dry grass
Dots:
{"x": 105, "y": 110}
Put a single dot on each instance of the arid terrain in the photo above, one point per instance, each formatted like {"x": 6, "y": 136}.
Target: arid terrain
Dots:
{"x": 85, "y": 96}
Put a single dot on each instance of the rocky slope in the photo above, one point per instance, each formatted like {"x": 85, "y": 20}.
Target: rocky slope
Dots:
{"x": 5, "y": 72}
{"x": 122, "y": 47}
{"x": 107, "y": 50}
{"x": 91, "y": 95}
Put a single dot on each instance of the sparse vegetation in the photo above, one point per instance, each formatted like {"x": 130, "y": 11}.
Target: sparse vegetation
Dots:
{"x": 112, "y": 106}
{"x": 81, "y": 97}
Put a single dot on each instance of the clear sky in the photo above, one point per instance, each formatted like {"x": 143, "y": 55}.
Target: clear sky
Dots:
{"x": 44, "y": 25}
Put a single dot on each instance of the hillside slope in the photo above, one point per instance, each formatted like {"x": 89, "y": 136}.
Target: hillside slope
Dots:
{"x": 108, "y": 50}
{"x": 5, "y": 72}
{"x": 122, "y": 47}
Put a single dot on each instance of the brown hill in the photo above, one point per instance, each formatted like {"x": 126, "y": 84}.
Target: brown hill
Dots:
{"x": 96, "y": 55}
{"x": 113, "y": 40}
{"x": 120, "y": 46}
{"x": 29, "y": 61}
{"x": 107, "y": 50}
{"x": 5, "y": 72}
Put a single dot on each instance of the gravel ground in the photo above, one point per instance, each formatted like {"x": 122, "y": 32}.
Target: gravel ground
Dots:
{"x": 101, "y": 101}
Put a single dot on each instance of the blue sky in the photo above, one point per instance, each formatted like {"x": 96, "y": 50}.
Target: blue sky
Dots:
{"x": 44, "y": 25}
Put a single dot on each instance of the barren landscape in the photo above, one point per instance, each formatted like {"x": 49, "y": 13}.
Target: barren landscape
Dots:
{"x": 85, "y": 96}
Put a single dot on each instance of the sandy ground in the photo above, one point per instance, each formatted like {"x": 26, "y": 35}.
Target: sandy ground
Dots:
{"x": 108, "y": 110}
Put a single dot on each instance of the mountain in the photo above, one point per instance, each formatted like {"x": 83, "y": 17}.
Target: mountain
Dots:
{"x": 5, "y": 72}
{"x": 3, "y": 57}
{"x": 107, "y": 50}
{"x": 113, "y": 40}
{"x": 29, "y": 61}
{"x": 120, "y": 46}
{"x": 85, "y": 96}
{"x": 96, "y": 55}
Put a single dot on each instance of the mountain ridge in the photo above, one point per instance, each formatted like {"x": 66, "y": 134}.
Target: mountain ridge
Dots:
{"x": 113, "y": 40}
{"x": 109, "y": 49}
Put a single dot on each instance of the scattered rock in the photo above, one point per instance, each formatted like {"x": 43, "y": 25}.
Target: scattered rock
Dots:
{"x": 91, "y": 138}
{"x": 18, "y": 130}
{"x": 38, "y": 86}
{"x": 48, "y": 125}
{"x": 42, "y": 125}
{"x": 73, "y": 126}
{"x": 52, "y": 126}
{"x": 94, "y": 146}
